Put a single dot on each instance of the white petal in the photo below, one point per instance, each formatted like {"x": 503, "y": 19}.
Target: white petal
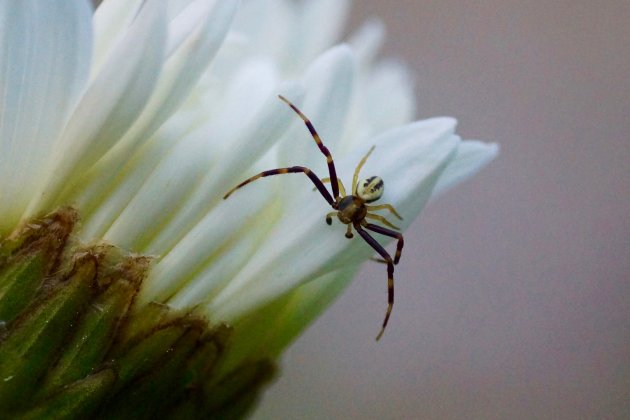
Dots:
{"x": 220, "y": 267}
{"x": 323, "y": 21}
{"x": 44, "y": 64}
{"x": 187, "y": 17}
{"x": 411, "y": 159}
{"x": 100, "y": 212}
{"x": 471, "y": 156}
{"x": 165, "y": 191}
{"x": 179, "y": 75}
{"x": 389, "y": 99}
{"x": 254, "y": 85}
{"x": 384, "y": 100}
{"x": 246, "y": 144}
{"x": 113, "y": 101}
{"x": 111, "y": 20}
{"x": 328, "y": 83}
{"x": 257, "y": 21}
{"x": 212, "y": 233}
{"x": 367, "y": 41}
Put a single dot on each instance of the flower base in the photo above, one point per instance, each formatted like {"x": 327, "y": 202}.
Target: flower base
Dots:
{"x": 73, "y": 344}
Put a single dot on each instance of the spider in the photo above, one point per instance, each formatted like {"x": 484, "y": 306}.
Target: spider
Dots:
{"x": 352, "y": 210}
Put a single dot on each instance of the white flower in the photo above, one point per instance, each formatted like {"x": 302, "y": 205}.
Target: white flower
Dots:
{"x": 145, "y": 114}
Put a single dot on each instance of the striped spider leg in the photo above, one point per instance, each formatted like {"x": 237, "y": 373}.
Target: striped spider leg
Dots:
{"x": 351, "y": 210}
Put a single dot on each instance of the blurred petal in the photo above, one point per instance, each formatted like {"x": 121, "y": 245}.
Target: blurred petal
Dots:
{"x": 113, "y": 101}
{"x": 329, "y": 83}
{"x": 211, "y": 234}
{"x": 328, "y": 17}
{"x": 181, "y": 72}
{"x": 111, "y": 20}
{"x": 44, "y": 65}
{"x": 367, "y": 41}
{"x": 247, "y": 142}
{"x": 471, "y": 156}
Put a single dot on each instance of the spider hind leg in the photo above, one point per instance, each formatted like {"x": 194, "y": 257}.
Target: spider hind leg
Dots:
{"x": 391, "y": 234}
{"x": 390, "y": 273}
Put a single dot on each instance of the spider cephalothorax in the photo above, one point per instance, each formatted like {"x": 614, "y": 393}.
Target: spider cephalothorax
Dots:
{"x": 352, "y": 210}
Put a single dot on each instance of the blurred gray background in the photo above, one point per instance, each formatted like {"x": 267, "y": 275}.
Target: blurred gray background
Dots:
{"x": 513, "y": 295}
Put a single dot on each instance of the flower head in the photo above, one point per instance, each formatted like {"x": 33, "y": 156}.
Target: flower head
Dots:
{"x": 144, "y": 114}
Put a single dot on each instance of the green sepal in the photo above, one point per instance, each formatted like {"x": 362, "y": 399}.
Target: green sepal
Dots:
{"x": 147, "y": 353}
{"x": 28, "y": 256}
{"x": 18, "y": 283}
{"x": 34, "y": 341}
{"x": 50, "y": 232}
{"x": 150, "y": 318}
{"x": 200, "y": 365}
{"x": 75, "y": 344}
{"x": 236, "y": 393}
{"x": 94, "y": 335}
{"x": 78, "y": 400}
{"x": 152, "y": 394}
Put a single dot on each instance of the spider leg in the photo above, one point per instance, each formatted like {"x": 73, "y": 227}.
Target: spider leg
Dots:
{"x": 382, "y": 220}
{"x": 342, "y": 189}
{"x": 329, "y": 160}
{"x": 292, "y": 170}
{"x": 349, "y": 234}
{"x": 355, "y": 178}
{"x": 329, "y": 217}
{"x": 391, "y": 234}
{"x": 386, "y": 207}
{"x": 390, "y": 273}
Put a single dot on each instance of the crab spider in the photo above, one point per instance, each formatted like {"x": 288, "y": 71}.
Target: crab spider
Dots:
{"x": 352, "y": 210}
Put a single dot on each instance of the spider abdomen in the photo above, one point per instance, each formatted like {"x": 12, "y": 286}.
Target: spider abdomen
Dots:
{"x": 351, "y": 210}
{"x": 370, "y": 189}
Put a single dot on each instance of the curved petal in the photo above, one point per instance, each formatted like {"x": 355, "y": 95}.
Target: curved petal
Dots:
{"x": 367, "y": 41}
{"x": 44, "y": 65}
{"x": 163, "y": 193}
{"x": 219, "y": 266}
{"x": 110, "y": 20}
{"x": 257, "y": 22}
{"x": 247, "y": 143}
{"x": 111, "y": 104}
{"x": 180, "y": 74}
{"x": 329, "y": 86}
{"x": 328, "y": 16}
{"x": 471, "y": 156}
{"x": 211, "y": 234}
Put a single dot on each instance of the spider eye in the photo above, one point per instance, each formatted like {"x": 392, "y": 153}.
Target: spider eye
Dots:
{"x": 370, "y": 189}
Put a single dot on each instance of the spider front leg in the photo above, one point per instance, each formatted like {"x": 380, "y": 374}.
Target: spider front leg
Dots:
{"x": 386, "y": 207}
{"x": 292, "y": 170}
{"x": 342, "y": 189}
{"x": 382, "y": 220}
{"x": 390, "y": 272}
